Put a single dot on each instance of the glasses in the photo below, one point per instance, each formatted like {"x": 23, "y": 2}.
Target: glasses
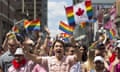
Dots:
{"x": 76, "y": 46}
{"x": 72, "y": 51}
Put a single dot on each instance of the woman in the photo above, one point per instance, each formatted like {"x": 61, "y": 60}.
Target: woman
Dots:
{"x": 79, "y": 65}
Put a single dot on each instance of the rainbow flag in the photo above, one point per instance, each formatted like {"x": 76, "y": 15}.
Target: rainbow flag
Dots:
{"x": 64, "y": 35}
{"x": 70, "y": 15}
{"x": 82, "y": 24}
{"x": 89, "y": 9}
{"x": 66, "y": 28}
{"x": 112, "y": 33}
{"x": 32, "y": 25}
{"x": 26, "y": 23}
{"x": 15, "y": 29}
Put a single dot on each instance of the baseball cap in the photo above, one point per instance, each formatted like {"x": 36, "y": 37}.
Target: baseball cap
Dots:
{"x": 99, "y": 58}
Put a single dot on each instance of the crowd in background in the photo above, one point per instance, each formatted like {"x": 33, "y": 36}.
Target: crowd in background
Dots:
{"x": 55, "y": 55}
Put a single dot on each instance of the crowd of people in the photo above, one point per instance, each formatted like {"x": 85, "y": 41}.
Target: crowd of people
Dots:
{"x": 28, "y": 55}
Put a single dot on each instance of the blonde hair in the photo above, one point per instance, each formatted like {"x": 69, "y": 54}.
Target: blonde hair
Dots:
{"x": 89, "y": 63}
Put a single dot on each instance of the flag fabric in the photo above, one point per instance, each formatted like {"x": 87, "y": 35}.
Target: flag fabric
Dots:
{"x": 82, "y": 24}
{"x": 32, "y": 25}
{"x": 112, "y": 33}
{"x": 26, "y": 23}
{"x": 15, "y": 29}
{"x": 89, "y": 9}
{"x": 65, "y": 35}
{"x": 66, "y": 40}
{"x": 80, "y": 12}
{"x": 70, "y": 15}
{"x": 66, "y": 28}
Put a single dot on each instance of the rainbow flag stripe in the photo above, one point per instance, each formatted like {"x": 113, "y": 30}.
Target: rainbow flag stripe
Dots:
{"x": 70, "y": 15}
{"x": 66, "y": 28}
{"x": 65, "y": 35}
{"x": 112, "y": 33}
{"x": 89, "y": 8}
{"x": 82, "y": 24}
{"x": 26, "y": 23}
{"x": 15, "y": 29}
{"x": 32, "y": 25}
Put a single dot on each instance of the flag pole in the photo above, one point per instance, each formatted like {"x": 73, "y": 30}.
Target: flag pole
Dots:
{"x": 23, "y": 6}
{"x": 34, "y": 9}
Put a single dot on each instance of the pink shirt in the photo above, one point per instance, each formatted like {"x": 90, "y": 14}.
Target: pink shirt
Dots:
{"x": 58, "y": 66}
{"x": 38, "y": 68}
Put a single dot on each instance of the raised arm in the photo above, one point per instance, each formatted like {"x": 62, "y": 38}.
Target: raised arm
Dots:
{"x": 33, "y": 57}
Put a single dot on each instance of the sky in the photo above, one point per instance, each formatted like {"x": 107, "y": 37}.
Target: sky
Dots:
{"x": 56, "y": 13}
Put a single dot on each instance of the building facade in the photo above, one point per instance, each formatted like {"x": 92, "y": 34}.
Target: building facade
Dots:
{"x": 28, "y": 5}
{"x": 7, "y": 16}
{"x": 32, "y": 9}
{"x": 11, "y": 12}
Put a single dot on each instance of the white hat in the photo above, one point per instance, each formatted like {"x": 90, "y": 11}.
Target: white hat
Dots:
{"x": 118, "y": 45}
{"x": 98, "y": 58}
{"x": 19, "y": 51}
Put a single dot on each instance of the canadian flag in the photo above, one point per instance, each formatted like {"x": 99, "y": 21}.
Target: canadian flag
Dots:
{"x": 80, "y": 12}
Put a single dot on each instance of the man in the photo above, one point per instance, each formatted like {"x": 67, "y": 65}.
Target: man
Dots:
{"x": 69, "y": 49}
{"x": 57, "y": 63}
{"x": 28, "y": 43}
{"x": 8, "y": 56}
{"x": 21, "y": 64}
{"x": 99, "y": 64}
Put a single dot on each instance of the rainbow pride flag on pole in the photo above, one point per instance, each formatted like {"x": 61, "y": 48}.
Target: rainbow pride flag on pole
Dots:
{"x": 89, "y": 9}
{"x": 70, "y": 15}
{"x": 15, "y": 29}
{"x": 64, "y": 35}
{"x": 112, "y": 33}
{"x": 83, "y": 24}
{"x": 66, "y": 28}
{"x": 32, "y": 25}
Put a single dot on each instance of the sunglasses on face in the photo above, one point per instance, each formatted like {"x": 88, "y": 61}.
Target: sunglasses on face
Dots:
{"x": 76, "y": 46}
{"x": 72, "y": 51}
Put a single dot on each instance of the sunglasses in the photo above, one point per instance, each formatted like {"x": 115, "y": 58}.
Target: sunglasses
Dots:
{"x": 76, "y": 46}
{"x": 72, "y": 51}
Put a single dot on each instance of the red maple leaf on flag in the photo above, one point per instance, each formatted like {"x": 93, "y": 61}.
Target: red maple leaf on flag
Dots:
{"x": 79, "y": 12}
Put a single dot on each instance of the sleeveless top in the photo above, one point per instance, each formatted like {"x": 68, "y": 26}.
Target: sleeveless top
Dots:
{"x": 117, "y": 68}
